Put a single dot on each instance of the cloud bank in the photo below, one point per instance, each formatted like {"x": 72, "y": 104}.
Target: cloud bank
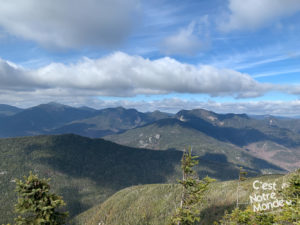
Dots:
{"x": 123, "y": 75}
{"x": 70, "y": 23}
{"x": 254, "y": 14}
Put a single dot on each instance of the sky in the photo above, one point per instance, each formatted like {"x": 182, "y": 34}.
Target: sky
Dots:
{"x": 240, "y": 56}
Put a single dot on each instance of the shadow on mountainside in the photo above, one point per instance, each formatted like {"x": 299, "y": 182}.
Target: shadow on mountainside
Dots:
{"x": 237, "y": 136}
{"x": 112, "y": 165}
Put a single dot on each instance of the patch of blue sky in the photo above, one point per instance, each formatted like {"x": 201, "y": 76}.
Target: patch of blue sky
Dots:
{"x": 292, "y": 77}
{"x": 269, "y": 54}
{"x": 14, "y": 49}
{"x": 269, "y": 96}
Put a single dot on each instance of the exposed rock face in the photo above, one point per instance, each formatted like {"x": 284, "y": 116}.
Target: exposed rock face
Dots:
{"x": 181, "y": 118}
{"x": 151, "y": 141}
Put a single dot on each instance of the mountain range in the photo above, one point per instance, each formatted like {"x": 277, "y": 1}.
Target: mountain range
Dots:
{"x": 125, "y": 147}
{"x": 54, "y": 118}
{"x": 233, "y": 138}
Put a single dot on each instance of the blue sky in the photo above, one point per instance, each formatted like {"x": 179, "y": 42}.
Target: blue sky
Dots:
{"x": 227, "y": 56}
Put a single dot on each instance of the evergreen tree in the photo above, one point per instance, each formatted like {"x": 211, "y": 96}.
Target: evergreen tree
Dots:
{"x": 242, "y": 177}
{"x": 193, "y": 190}
{"x": 36, "y": 204}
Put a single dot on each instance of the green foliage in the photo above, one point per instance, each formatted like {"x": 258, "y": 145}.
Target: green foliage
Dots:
{"x": 36, "y": 204}
{"x": 242, "y": 174}
{"x": 242, "y": 177}
{"x": 246, "y": 217}
{"x": 193, "y": 190}
{"x": 155, "y": 204}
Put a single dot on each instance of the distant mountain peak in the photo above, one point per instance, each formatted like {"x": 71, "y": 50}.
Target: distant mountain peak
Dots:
{"x": 87, "y": 108}
{"x": 53, "y": 106}
{"x": 56, "y": 104}
{"x": 208, "y": 115}
{"x": 120, "y": 108}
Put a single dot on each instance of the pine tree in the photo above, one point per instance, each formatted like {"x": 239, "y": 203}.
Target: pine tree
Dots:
{"x": 36, "y": 204}
{"x": 193, "y": 190}
{"x": 242, "y": 177}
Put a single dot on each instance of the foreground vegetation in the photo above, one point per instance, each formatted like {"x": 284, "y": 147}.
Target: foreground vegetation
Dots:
{"x": 88, "y": 173}
{"x": 149, "y": 204}
{"x": 193, "y": 189}
{"x": 36, "y": 204}
{"x": 155, "y": 204}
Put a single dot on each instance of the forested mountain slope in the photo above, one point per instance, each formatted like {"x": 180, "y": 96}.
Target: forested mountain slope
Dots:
{"x": 87, "y": 171}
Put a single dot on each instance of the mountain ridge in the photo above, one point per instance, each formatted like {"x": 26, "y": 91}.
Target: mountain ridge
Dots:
{"x": 55, "y": 118}
{"x": 272, "y": 139}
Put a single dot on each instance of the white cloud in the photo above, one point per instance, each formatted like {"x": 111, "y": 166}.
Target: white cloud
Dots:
{"x": 253, "y": 14}
{"x": 124, "y": 75}
{"x": 120, "y": 74}
{"x": 69, "y": 23}
{"x": 293, "y": 89}
{"x": 15, "y": 78}
{"x": 187, "y": 40}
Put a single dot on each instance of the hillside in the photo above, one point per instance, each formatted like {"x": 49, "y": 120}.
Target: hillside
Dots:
{"x": 87, "y": 171}
{"x": 154, "y": 204}
{"x": 174, "y": 134}
{"x": 233, "y": 137}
